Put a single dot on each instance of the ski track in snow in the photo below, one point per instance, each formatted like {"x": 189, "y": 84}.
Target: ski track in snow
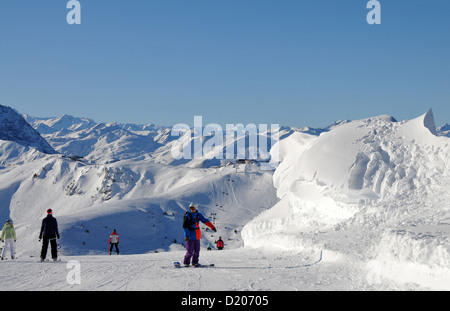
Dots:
{"x": 235, "y": 270}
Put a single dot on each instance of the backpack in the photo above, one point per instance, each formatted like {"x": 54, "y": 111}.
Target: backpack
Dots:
{"x": 114, "y": 238}
{"x": 188, "y": 221}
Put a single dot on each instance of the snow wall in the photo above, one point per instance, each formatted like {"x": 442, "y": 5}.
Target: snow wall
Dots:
{"x": 383, "y": 182}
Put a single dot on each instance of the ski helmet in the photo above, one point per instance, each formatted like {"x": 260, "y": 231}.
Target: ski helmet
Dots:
{"x": 49, "y": 211}
{"x": 194, "y": 205}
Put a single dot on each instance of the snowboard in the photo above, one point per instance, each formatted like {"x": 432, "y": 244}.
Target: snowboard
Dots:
{"x": 179, "y": 265}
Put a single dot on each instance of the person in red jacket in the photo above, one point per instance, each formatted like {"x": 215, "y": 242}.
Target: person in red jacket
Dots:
{"x": 113, "y": 241}
{"x": 220, "y": 244}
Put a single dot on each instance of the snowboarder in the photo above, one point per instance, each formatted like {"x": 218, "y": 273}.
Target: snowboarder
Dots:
{"x": 220, "y": 244}
{"x": 49, "y": 232}
{"x": 9, "y": 237}
{"x": 114, "y": 241}
{"x": 192, "y": 233}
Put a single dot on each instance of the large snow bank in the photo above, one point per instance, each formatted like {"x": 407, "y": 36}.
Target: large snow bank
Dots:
{"x": 413, "y": 257}
{"x": 374, "y": 183}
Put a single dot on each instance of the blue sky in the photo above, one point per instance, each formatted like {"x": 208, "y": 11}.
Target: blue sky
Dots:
{"x": 291, "y": 62}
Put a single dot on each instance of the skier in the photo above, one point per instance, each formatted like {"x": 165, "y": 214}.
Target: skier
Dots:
{"x": 49, "y": 232}
{"x": 220, "y": 244}
{"x": 114, "y": 241}
{"x": 9, "y": 237}
{"x": 192, "y": 234}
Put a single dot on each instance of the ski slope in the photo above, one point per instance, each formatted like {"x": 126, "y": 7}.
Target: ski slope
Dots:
{"x": 143, "y": 201}
{"x": 362, "y": 206}
{"x": 236, "y": 270}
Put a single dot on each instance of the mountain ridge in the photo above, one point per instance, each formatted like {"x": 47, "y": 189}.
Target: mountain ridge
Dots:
{"x": 13, "y": 127}
{"x": 110, "y": 142}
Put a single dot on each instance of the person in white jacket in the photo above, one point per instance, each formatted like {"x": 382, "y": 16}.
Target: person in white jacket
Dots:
{"x": 113, "y": 241}
{"x": 9, "y": 237}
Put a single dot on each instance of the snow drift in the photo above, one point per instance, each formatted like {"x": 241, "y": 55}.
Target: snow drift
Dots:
{"x": 372, "y": 188}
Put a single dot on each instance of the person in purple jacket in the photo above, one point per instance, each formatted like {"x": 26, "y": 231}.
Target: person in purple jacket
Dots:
{"x": 193, "y": 234}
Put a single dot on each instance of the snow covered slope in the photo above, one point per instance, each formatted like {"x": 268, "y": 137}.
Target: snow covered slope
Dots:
{"x": 98, "y": 142}
{"x": 235, "y": 270}
{"x": 359, "y": 205}
{"x": 14, "y": 128}
{"x": 145, "y": 202}
{"x": 110, "y": 142}
{"x": 372, "y": 190}
{"x": 121, "y": 183}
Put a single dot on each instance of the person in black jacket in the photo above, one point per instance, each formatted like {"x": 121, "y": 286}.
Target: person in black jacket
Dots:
{"x": 49, "y": 232}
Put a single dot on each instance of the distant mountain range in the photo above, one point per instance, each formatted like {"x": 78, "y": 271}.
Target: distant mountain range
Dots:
{"x": 110, "y": 142}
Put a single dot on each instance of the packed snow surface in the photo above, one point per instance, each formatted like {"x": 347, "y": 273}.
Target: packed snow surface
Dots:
{"x": 362, "y": 206}
{"x": 235, "y": 270}
{"x": 373, "y": 191}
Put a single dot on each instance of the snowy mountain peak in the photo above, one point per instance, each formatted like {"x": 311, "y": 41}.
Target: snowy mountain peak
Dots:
{"x": 13, "y": 127}
{"x": 444, "y": 130}
{"x": 55, "y": 124}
